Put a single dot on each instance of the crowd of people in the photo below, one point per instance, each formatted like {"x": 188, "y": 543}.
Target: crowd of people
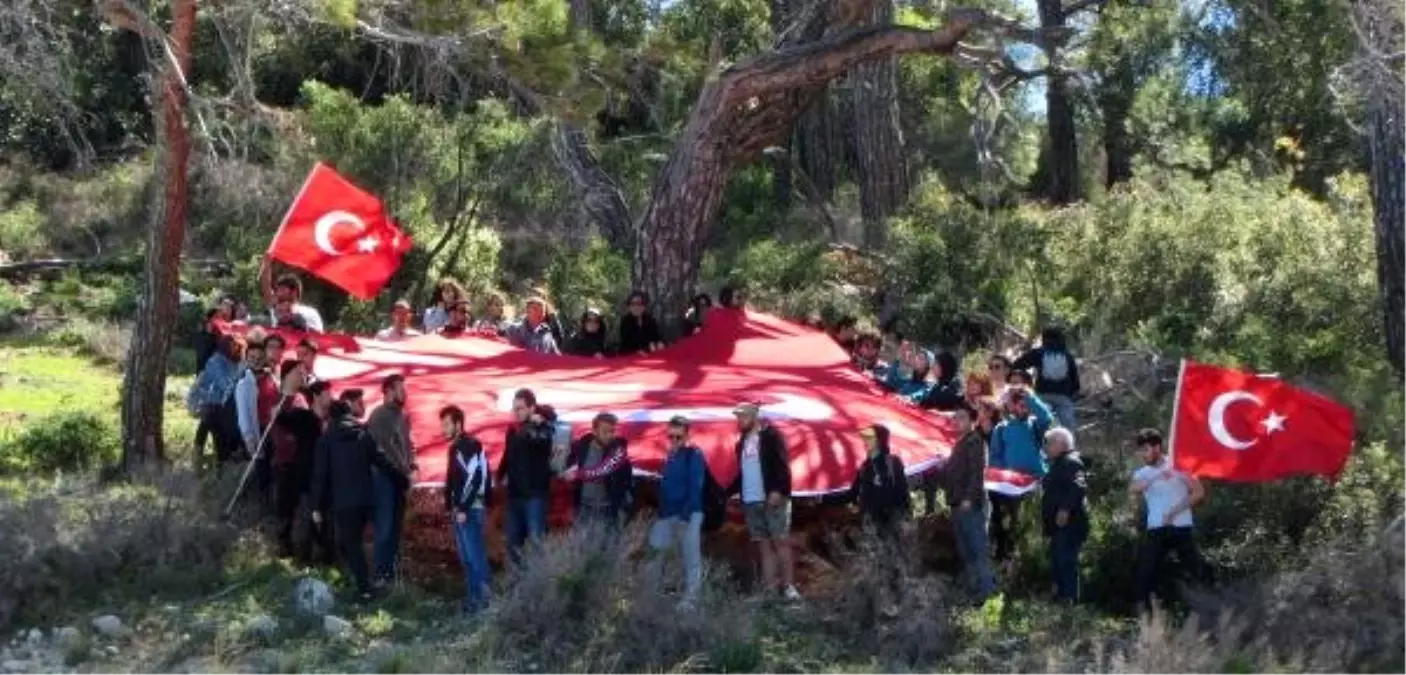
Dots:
{"x": 325, "y": 467}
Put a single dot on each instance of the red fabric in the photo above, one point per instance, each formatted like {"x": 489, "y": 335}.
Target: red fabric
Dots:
{"x": 800, "y": 375}
{"x": 324, "y": 341}
{"x": 268, "y": 397}
{"x": 340, "y": 233}
{"x": 1246, "y": 427}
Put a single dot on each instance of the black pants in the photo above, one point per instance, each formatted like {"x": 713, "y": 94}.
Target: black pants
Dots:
{"x": 1152, "y": 559}
{"x": 351, "y": 531}
{"x": 930, "y": 483}
{"x": 219, "y": 423}
{"x": 1005, "y": 524}
{"x": 287, "y": 493}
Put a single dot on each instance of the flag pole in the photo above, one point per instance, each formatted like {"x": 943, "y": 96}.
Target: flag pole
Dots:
{"x": 258, "y": 452}
{"x": 1176, "y": 410}
{"x": 296, "y": 198}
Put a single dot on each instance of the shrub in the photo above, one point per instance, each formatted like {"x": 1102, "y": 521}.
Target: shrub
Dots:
{"x": 13, "y": 305}
{"x": 22, "y": 231}
{"x": 103, "y": 341}
{"x": 69, "y": 441}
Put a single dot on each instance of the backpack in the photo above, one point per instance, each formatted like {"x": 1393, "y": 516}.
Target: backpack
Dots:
{"x": 1054, "y": 365}
{"x": 714, "y": 497}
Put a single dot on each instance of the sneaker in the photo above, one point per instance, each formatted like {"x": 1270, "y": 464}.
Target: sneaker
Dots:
{"x": 792, "y": 594}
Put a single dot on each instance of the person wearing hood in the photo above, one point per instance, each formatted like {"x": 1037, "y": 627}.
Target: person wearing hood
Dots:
{"x": 1015, "y": 446}
{"x": 599, "y": 466}
{"x": 639, "y": 332}
{"x": 589, "y": 338}
{"x": 881, "y": 487}
{"x": 1064, "y": 511}
{"x": 965, "y": 475}
{"x": 341, "y": 480}
{"x": 1056, "y": 375}
{"x": 914, "y": 387}
{"x": 945, "y": 394}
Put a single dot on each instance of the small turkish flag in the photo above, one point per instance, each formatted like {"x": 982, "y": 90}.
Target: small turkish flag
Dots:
{"x": 340, "y": 233}
{"x": 1253, "y": 428}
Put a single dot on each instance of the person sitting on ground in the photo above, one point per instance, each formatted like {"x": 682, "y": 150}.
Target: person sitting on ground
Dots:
{"x": 680, "y": 515}
{"x": 965, "y": 482}
{"x": 764, "y": 484}
{"x": 287, "y": 293}
{"x": 447, "y": 293}
{"x": 639, "y": 333}
{"x": 697, "y": 312}
{"x": 846, "y": 333}
{"x": 211, "y": 398}
{"x": 1064, "y": 511}
{"x": 1015, "y": 446}
{"x": 400, "y": 324}
{"x": 1057, "y": 374}
{"x": 533, "y": 333}
{"x": 918, "y": 363}
{"x": 468, "y": 494}
{"x": 589, "y": 338}
{"x": 342, "y": 480}
{"x": 1168, "y": 496}
{"x": 458, "y": 323}
{"x": 881, "y": 486}
{"x": 866, "y": 356}
{"x": 945, "y": 394}
{"x": 599, "y": 465}
{"x": 495, "y": 319}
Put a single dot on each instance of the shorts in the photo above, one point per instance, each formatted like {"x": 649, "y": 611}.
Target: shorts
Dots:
{"x": 768, "y": 522}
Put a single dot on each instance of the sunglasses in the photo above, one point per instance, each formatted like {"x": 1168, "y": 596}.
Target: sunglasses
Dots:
{"x": 995, "y": 366}
{"x": 676, "y": 437}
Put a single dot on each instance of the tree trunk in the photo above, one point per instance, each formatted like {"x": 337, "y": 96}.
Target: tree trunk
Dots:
{"x": 881, "y": 166}
{"x": 816, "y": 141}
{"x": 144, "y": 386}
{"x": 1060, "y": 156}
{"x": 1388, "y": 200}
{"x": 579, "y": 15}
{"x": 740, "y": 112}
{"x": 1116, "y": 102}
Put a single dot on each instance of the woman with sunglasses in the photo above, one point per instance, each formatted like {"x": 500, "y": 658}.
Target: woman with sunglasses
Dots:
{"x": 639, "y": 333}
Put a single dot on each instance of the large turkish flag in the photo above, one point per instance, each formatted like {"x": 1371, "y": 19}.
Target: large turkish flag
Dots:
{"x": 340, "y": 233}
{"x": 1246, "y": 427}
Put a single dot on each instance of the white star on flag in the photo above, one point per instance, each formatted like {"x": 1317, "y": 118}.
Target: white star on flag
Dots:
{"x": 368, "y": 244}
{"x": 1274, "y": 422}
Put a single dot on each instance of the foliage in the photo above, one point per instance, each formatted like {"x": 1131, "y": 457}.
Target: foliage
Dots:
{"x": 595, "y": 276}
{"x": 72, "y": 441}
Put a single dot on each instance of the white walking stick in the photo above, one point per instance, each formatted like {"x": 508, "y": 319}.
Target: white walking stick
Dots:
{"x": 258, "y": 451}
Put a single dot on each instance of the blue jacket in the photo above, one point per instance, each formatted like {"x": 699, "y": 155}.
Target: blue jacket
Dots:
{"x": 912, "y": 389}
{"x": 216, "y": 382}
{"x": 681, "y": 483}
{"x": 1015, "y": 443}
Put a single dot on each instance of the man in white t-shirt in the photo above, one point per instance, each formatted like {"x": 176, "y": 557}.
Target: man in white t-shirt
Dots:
{"x": 1168, "y": 496}
{"x": 285, "y": 301}
{"x": 400, "y": 324}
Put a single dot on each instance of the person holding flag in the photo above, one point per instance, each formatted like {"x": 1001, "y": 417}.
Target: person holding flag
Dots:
{"x": 1168, "y": 495}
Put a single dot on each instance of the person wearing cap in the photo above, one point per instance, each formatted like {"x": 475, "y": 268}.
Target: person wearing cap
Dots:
{"x": 589, "y": 338}
{"x": 679, "y": 519}
{"x": 1064, "y": 511}
{"x": 341, "y": 483}
{"x": 598, "y": 465}
{"x": 533, "y": 333}
{"x": 1167, "y": 496}
{"x": 764, "y": 484}
{"x": 400, "y": 324}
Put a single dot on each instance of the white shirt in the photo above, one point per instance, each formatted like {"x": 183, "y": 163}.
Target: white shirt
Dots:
{"x": 246, "y": 405}
{"x": 753, "y": 489}
{"x": 1166, "y": 487}
{"x": 310, "y": 315}
{"x": 392, "y": 334}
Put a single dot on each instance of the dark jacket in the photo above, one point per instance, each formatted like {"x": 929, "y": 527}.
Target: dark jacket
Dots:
{"x": 305, "y": 429}
{"x": 527, "y": 461}
{"x": 587, "y": 344}
{"x": 614, "y": 470}
{"x": 946, "y": 392}
{"x": 1035, "y": 358}
{"x": 776, "y": 462}
{"x": 341, "y": 475}
{"x": 204, "y": 343}
{"x": 636, "y": 334}
{"x": 460, "y": 489}
{"x": 1063, "y": 489}
{"x": 881, "y": 488}
{"x": 965, "y": 473}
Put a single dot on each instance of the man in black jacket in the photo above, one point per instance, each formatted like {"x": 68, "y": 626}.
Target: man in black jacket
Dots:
{"x": 764, "y": 483}
{"x": 881, "y": 487}
{"x": 468, "y": 491}
{"x": 527, "y": 470}
{"x": 342, "y": 480}
{"x": 965, "y": 475}
{"x": 1064, "y": 511}
{"x": 599, "y": 465}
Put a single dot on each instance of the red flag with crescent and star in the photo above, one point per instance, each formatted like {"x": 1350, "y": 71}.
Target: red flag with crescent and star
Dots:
{"x": 1247, "y": 427}
{"x": 340, "y": 233}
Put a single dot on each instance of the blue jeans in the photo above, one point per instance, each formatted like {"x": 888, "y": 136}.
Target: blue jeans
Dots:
{"x": 972, "y": 549}
{"x": 526, "y": 517}
{"x": 388, "y": 520}
{"x": 1064, "y": 560}
{"x": 1063, "y": 409}
{"x": 472, "y": 554}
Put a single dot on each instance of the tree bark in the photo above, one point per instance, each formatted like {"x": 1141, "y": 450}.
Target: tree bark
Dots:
{"x": 144, "y": 385}
{"x": 1388, "y": 200}
{"x": 880, "y": 164}
{"x": 1116, "y": 102}
{"x": 1060, "y": 156}
{"x": 740, "y": 112}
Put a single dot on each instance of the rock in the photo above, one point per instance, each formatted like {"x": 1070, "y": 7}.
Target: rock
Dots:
{"x": 313, "y": 596}
{"x": 67, "y": 636}
{"x": 336, "y": 626}
{"x": 110, "y": 650}
{"x": 110, "y": 626}
{"x": 263, "y": 626}
{"x": 380, "y": 651}
{"x": 35, "y": 637}
{"x": 16, "y": 666}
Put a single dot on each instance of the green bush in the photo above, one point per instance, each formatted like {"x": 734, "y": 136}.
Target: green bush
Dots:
{"x": 70, "y": 441}
{"x": 13, "y": 305}
{"x": 22, "y": 231}
{"x": 595, "y": 276}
